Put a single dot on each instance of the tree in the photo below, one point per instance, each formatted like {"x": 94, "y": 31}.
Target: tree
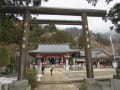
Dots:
{"x": 56, "y": 37}
{"x": 6, "y": 20}
{"x": 102, "y": 40}
{"x": 4, "y": 57}
{"x": 22, "y": 2}
{"x": 31, "y": 76}
{"x": 61, "y": 37}
{"x": 35, "y": 34}
{"x": 70, "y": 60}
{"x": 81, "y": 40}
{"x": 11, "y": 31}
{"x": 50, "y": 28}
{"x": 114, "y": 16}
{"x": 94, "y": 2}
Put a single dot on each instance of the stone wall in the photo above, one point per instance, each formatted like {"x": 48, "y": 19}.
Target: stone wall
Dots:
{"x": 16, "y": 85}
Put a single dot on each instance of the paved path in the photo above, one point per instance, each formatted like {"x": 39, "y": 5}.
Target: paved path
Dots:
{"x": 99, "y": 73}
{"x": 58, "y": 81}
{"x": 61, "y": 80}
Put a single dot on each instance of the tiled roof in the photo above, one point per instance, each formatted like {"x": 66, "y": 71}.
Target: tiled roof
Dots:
{"x": 95, "y": 53}
{"x": 53, "y": 48}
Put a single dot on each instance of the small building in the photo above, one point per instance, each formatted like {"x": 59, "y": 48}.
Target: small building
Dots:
{"x": 99, "y": 57}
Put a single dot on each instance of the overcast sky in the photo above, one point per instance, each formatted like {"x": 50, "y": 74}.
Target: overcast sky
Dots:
{"x": 95, "y": 24}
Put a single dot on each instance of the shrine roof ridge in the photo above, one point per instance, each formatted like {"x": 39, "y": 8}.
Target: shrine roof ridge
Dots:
{"x": 53, "y": 48}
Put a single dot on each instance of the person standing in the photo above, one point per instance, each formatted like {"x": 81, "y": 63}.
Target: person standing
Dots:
{"x": 43, "y": 69}
{"x": 51, "y": 69}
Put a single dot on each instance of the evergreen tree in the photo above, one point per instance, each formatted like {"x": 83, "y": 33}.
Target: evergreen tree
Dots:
{"x": 4, "y": 57}
{"x": 114, "y": 16}
{"x": 35, "y": 33}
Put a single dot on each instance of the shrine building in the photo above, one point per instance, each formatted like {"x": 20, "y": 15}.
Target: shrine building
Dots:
{"x": 52, "y": 54}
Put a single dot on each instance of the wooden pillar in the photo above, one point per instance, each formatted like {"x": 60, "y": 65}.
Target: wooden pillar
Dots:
{"x": 0, "y": 23}
{"x": 61, "y": 60}
{"x": 44, "y": 60}
{"x": 89, "y": 64}
{"x": 24, "y": 46}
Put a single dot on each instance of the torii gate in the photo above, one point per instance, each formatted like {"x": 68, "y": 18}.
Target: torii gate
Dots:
{"x": 27, "y": 10}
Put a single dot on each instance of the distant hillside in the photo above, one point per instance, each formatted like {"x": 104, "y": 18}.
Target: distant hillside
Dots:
{"x": 98, "y": 40}
{"x": 73, "y": 31}
{"x": 50, "y": 34}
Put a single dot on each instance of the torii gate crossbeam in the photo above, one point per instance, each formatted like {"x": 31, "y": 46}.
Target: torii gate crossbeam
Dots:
{"x": 60, "y": 22}
{"x": 52, "y": 11}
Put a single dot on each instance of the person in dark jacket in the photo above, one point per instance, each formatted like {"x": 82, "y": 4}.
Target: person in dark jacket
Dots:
{"x": 43, "y": 69}
{"x": 51, "y": 70}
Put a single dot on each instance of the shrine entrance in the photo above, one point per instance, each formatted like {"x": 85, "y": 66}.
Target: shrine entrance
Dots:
{"x": 49, "y": 60}
{"x": 58, "y": 60}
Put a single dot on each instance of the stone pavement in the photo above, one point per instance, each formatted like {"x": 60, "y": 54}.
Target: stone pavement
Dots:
{"x": 99, "y": 73}
{"x": 58, "y": 81}
{"x": 63, "y": 80}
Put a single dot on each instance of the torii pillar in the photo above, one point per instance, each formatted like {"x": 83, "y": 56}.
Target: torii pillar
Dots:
{"x": 0, "y": 23}
{"x": 24, "y": 46}
{"x": 89, "y": 64}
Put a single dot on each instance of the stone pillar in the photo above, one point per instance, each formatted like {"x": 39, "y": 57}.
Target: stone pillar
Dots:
{"x": 40, "y": 66}
{"x": 90, "y": 84}
{"x": 67, "y": 65}
{"x": 24, "y": 46}
{"x": 89, "y": 64}
{"x": 115, "y": 84}
{"x": 0, "y": 86}
{"x": 98, "y": 64}
{"x": 114, "y": 64}
{"x": 117, "y": 76}
{"x": 5, "y": 87}
{"x": 74, "y": 64}
{"x": 20, "y": 85}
